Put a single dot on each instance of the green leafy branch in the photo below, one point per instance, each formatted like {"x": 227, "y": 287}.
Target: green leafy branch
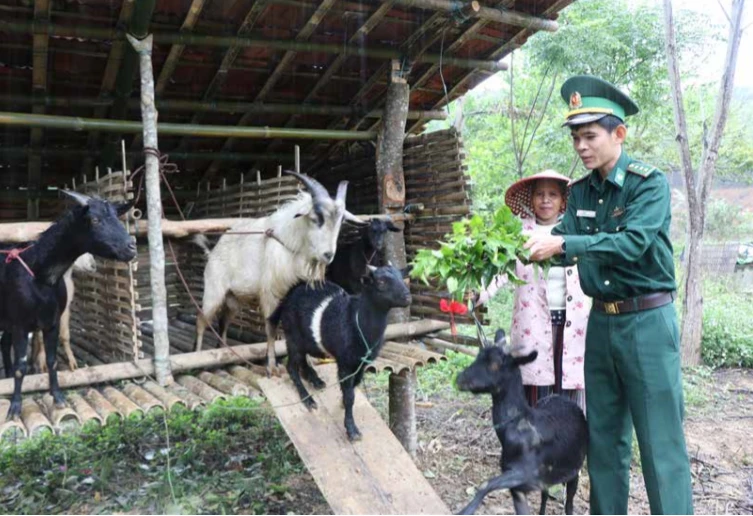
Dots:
{"x": 477, "y": 250}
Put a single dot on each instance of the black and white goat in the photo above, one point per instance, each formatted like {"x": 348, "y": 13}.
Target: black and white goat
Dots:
{"x": 541, "y": 446}
{"x": 270, "y": 255}
{"x": 324, "y": 319}
{"x": 34, "y": 301}
{"x": 351, "y": 260}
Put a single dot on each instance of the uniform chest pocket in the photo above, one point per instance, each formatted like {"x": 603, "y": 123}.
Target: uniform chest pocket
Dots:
{"x": 586, "y": 225}
{"x": 614, "y": 224}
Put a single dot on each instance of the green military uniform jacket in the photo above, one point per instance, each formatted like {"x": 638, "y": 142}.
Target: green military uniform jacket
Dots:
{"x": 617, "y": 232}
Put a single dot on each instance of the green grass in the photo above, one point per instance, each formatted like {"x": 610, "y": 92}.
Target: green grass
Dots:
{"x": 231, "y": 457}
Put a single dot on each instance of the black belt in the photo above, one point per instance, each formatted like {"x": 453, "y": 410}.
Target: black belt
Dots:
{"x": 634, "y": 304}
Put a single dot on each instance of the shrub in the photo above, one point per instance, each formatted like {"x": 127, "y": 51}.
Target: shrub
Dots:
{"x": 727, "y": 328}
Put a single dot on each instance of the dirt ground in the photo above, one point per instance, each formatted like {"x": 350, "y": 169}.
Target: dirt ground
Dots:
{"x": 458, "y": 449}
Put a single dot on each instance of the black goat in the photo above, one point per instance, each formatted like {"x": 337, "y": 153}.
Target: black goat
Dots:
{"x": 541, "y": 446}
{"x": 32, "y": 302}
{"x": 351, "y": 260}
{"x": 324, "y": 319}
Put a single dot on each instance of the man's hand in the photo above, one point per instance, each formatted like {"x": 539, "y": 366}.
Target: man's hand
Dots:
{"x": 544, "y": 246}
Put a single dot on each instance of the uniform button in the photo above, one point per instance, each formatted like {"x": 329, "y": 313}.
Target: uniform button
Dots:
{"x": 606, "y": 282}
{"x": 588, "y": 228}
{"x": 597, "y": 230}
{"x": 568, "y": 323}
{"x": 575, "y": 259}
{"x": 601, "y": 201}
{"x": 569, "y": 298}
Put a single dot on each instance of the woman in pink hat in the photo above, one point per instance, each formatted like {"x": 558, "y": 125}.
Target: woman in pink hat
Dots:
{"x": 550, "y": 312}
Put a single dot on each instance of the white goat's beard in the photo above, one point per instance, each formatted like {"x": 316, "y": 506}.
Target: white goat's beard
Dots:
{"x": 315, "y": 273}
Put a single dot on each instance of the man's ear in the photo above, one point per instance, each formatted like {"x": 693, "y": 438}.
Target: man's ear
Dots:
{"x": 620, "y": 133}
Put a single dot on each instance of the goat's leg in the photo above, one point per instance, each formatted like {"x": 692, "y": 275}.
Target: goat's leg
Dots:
{"x": 204, "y": 318}
{"x": 51, "y": 340}
{"x": 20, "y": 341}
{"x": 65, "y": 338}
{"x": 348, "y": 389}
{"x": 572, "y": 488}
{"x": 520, "y": 502}
{"x": 294, "y": 363}
{"x": 37, "y": 352}
{"x": 310, "y": 375}
{"x": 271, "y": 331}
{"x": 6, "y": 343}
{"x": 544, "y": 498}
{"x": 506, "y": 480}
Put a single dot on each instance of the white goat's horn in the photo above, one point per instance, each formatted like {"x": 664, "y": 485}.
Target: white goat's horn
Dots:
{"x": 355, "y": 220}
{"x": 371, "y": 268}
{"x": 315, "y": 188}
{"x": 342, "y": 191}
{"x": 80, "y": 198}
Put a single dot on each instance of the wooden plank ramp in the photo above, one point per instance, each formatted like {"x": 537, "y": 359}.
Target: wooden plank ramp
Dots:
{"x": 373, "y": 476}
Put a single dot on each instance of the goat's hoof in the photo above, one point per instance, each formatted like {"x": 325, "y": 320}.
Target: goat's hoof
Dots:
{"x": 14, "y": 412}
{"x": 354, "y": 435}
{"x": 318, "y": 384}
{"x": 310, "y": 404}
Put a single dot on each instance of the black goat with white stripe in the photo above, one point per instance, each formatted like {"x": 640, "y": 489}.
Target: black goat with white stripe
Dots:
{"x": 323, "y": 319}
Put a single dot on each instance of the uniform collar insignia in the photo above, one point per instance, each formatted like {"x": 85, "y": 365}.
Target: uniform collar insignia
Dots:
{"x": 618, "y": 211}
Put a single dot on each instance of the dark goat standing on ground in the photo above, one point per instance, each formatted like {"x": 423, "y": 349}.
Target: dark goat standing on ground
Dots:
{"x": 541, "y": 446}
{"x": 351, "y": 260}
{"x": 324, "y": 319}
{"x": 30, "y": 303}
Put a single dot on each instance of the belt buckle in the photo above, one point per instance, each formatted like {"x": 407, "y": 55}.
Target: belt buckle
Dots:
{"x": 611, "y": 308}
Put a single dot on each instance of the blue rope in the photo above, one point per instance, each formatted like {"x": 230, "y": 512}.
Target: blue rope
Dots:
{"x": 365, "y": 359}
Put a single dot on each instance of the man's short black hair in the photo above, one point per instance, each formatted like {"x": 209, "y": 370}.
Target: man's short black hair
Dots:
{"x": 609, "y": 123}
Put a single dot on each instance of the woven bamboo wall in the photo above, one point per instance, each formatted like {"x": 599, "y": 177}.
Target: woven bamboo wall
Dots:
{"x": 103, "y": 313}
{"x": 435, "y": 176}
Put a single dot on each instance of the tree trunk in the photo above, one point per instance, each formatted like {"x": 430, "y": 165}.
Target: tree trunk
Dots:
{"x": 390, "y": 177}
{"x": 699, "y": 187}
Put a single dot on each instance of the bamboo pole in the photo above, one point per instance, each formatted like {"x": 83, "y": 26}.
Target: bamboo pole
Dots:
{"x": 505, "y": 16}
{"x": 72, "y": 123}
{"x": 154, "y": 213}
{"x": 172, "y": 38}
{"x": 402, "y": 408}
{"x": 262, "y": 108}
{"x": 184, "y": 362}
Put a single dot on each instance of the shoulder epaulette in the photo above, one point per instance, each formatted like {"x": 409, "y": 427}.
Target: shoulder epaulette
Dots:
{"x": 641, "y": 169}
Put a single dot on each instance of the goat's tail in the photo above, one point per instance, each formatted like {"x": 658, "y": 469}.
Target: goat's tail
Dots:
{"x": 203, "y": 242}
{"x": 507, "y": 480}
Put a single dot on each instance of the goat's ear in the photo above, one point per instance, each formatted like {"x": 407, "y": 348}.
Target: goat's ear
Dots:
{"x": 526, "y": 359}
{"x": 121, "y": 208}
{"x": 80, "y": 198}
{"x": 500, "y": 338}
{"x": 405, "y": 271}
{"x": 392, "y": 227}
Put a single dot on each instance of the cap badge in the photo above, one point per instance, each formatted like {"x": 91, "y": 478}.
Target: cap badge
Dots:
{"x": 575, "y": 100}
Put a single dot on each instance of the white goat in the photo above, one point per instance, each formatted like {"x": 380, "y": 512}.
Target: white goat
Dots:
{"x": 84, "y": 263}
{"x": 301, "y": 241}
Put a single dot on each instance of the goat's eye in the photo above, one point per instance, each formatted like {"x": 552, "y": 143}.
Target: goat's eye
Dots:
{"x": 494, "y": 366}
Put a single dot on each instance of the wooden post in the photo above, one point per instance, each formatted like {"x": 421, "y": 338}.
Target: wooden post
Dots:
{"x": 391, "y": 190}
{"x": 154, "y": 213}
{"x": 403, "y": 409}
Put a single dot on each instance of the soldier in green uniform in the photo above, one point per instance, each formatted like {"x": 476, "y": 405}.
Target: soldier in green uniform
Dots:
{"x": 616, "y": 229}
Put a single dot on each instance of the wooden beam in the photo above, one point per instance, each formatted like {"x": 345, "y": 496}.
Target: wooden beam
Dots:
{"x": 39, "y": 88}
{"x": 513, "y": 43}
{"x": 505, "y": 16}
{"x": 371, "y": 22}
{"x": 173, "y": 57}
{"x": 109, "y": 76}
{"x": 303, "y": 35}
{"x": 228, "y": 58}
{"x": 154, "y": 212}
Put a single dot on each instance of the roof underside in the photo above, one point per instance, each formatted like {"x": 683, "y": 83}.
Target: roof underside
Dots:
{"x": 88, "y": 76}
